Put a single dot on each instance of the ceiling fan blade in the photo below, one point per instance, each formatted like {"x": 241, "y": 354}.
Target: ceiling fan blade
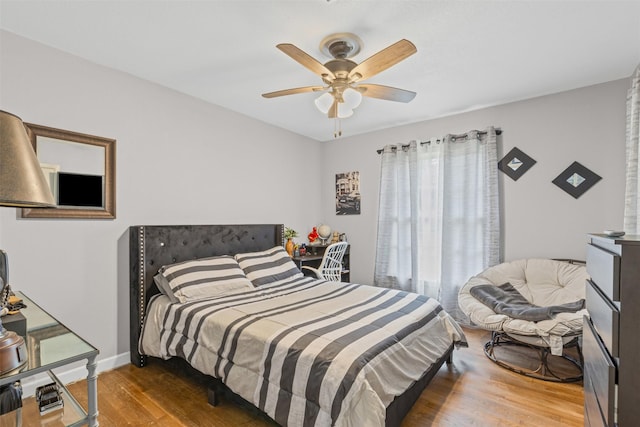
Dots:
{"x": 294, "y": 91}
{"x": 385, "y": 92}
{"x": 306, "y": 60}
{"x": 382, "y": 60}
{"x": 333, "y": 111}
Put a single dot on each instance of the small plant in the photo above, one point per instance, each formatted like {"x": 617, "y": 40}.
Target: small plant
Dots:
{"x": 290, "y": 233}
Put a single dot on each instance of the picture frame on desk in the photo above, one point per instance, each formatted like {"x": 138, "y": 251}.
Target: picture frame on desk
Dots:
{"x": 15, "y": 322}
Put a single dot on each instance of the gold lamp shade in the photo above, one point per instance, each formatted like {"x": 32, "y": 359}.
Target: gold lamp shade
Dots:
{"x": 22, "y": 183}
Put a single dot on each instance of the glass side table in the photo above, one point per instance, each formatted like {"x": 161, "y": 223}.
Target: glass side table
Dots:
{"x": 51, "y": 345}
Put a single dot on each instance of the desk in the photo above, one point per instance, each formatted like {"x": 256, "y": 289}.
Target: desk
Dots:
{"x": 314, "y": 257}
{"x": 51, "y": 345}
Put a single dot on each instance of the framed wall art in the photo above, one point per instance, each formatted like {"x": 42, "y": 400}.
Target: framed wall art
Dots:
{"x": 515, "y": 163}
{"x": 348, "y": 193}
{"x": 576, "y": 179}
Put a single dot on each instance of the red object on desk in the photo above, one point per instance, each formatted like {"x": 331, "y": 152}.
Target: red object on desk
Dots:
{"x": 313, "y": 236}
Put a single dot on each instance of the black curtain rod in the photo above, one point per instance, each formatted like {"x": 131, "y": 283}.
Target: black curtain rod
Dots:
{"x": 481, "y": 132}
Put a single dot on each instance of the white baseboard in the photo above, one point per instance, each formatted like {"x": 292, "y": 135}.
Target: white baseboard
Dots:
{"x": 72, "y": 373}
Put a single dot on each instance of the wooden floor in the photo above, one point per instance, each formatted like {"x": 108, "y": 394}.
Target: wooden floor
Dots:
{"x": 473, "y": 391}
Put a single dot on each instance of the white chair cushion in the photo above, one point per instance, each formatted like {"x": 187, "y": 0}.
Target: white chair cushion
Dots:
{"x": 542, "y": 282}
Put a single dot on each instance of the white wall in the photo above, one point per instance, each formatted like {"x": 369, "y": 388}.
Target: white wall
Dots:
{"x": 540, "y": 220}
{"x": 179, "y": 161}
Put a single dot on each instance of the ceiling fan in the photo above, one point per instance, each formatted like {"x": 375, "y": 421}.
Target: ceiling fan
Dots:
{"x": 342, "y": 76}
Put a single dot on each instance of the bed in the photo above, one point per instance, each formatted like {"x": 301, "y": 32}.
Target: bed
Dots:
{"x": 303, "y": 351}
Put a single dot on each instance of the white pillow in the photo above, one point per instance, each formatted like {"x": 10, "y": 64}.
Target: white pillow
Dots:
{"x": 268, "y": 266}
{"x": 202, "y": 278}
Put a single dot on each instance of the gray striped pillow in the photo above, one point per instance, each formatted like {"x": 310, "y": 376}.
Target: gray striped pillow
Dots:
{"x": 268, "y": 266}
{"x": 202, "y": 278}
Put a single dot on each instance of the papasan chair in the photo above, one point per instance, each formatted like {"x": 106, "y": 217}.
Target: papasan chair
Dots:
{"x": 530, "y": 305}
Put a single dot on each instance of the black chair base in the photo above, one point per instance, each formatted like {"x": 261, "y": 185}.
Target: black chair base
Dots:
{"x": 546, "y": 368}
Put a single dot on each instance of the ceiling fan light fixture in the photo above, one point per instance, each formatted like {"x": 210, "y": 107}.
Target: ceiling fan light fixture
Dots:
{"x": 351, "y": 100}
{"x": 324, "y": 102}
{"x": 344, "y": 112}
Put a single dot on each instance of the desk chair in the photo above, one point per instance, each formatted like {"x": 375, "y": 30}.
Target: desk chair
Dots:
{"x": 331, "y": 265}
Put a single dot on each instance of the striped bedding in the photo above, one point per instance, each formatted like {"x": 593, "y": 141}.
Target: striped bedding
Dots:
{"x": 307, "y": 352}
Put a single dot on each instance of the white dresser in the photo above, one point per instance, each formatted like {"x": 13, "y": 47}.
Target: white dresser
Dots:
{"x": 611, "y": 337}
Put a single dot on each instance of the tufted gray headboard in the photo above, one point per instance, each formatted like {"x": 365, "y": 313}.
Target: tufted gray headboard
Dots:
{"x": 152, "y": 246}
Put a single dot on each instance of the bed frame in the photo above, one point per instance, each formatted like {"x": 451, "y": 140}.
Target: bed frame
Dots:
{"x": 152, "y": 246}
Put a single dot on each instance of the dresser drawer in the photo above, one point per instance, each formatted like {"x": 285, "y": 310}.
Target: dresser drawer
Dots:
{"x": 604, "y": 269}
{"x": 599, "y": 376}
{"x": 604, "y": 316}
{"x": 592, "y": 414}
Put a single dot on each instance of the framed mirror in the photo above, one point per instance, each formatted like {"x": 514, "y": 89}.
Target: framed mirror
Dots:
{"x": 80, "y": 170}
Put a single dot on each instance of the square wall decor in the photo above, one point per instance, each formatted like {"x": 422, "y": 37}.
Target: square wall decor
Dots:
{"x": 515, "y": 163}
{"x": 576, "y": 179}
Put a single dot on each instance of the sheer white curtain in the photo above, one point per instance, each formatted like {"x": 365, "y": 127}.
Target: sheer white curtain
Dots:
{"x": 632, "y": 200}
{"x": 438, "y": 217}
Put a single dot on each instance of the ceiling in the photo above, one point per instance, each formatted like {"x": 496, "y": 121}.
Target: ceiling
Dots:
{"x": 471, "y": 54}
